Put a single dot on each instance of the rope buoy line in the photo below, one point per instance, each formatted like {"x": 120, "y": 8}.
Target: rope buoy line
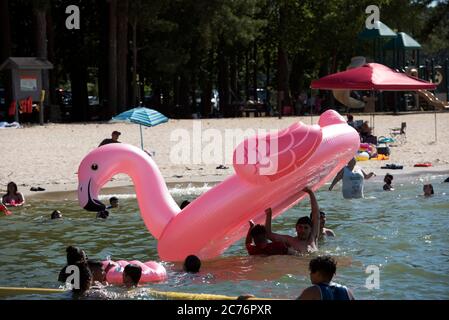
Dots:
{"x": 5, "y": 291}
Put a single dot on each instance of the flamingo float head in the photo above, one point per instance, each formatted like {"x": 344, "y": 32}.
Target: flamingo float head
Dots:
{"x": 94, "y": 171}
{"x": 157, "y": 207}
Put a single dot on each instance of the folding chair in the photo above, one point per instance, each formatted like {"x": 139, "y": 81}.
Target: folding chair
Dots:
{"x": 398, "y": 134}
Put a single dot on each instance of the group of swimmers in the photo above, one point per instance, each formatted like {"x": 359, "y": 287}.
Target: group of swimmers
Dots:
{"x": 92, "y": 273}
{"x": 261, "y": 240}
{"x": 427, "y": 188}
{"x": 113, "y": 203}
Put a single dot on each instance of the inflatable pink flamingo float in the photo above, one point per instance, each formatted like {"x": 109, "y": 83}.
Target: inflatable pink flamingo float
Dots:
{"x": 270, "y": 171}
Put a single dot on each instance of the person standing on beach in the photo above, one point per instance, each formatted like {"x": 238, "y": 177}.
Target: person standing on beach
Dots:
{"x": 353, "y": 180}
{"x": 307, "y": 229}
{"x": 114, "y": 139}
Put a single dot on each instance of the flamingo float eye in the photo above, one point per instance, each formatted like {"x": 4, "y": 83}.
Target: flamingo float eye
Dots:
{"x": 94, "y": 166}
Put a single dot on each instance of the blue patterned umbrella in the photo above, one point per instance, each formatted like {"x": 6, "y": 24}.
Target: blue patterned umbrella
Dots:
{"x": 142, "y": 116}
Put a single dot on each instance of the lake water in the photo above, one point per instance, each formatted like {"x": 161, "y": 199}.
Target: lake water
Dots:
{"x": 403, "y": 234}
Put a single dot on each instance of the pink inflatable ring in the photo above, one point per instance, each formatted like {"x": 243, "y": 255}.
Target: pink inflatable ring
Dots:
{"x": 151, "y": 271}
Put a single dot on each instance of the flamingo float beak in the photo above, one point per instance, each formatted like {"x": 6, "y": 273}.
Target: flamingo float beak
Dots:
{"x": 89, "y": 198}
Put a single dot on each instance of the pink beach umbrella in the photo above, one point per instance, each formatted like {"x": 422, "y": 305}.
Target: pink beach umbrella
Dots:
{"x": 372, "y": 76}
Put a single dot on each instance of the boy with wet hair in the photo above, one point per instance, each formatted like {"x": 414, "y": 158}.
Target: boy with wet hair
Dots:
{"x": 261, "y": 246}
{"x": 192, "y": 264}
{"x": 324, "y": 231}
{"x": 322, "y": 270}
{"x": 113, "y": 203}
{"x": 131, "y": 275}
{"x": 307, "y": 229}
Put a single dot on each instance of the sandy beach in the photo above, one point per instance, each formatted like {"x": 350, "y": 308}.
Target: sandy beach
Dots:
{"x": 48, "y": 156}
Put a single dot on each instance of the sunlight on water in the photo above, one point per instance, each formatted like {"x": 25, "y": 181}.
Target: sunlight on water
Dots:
{"x": 401, "y": 232}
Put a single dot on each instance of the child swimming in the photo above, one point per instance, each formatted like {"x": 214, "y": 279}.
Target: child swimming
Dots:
{"x": 388, "y": 179}
{"x": 262, "y": 246}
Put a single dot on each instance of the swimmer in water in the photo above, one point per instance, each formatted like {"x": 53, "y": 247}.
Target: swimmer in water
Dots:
{"x": 388, "y": 179}
{"x": 13, "y": 197}
{"x": 307, "y": 229}
{"x": 192, "y": 264}
{"x": 113, "y": 203}
{"x": 428, "y": 190}
{"x": 131, "y": 275}
{"x": 324, "y": 232}
{"x": 56, "y": 214}
{"x": 322, "y": 270}
{"x": 261, "y": 246}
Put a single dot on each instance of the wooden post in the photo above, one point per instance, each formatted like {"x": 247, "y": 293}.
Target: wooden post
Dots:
{"x": 41, "y": 108}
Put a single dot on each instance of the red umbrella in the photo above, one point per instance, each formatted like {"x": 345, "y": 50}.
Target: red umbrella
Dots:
{"x": 371, "y": 76}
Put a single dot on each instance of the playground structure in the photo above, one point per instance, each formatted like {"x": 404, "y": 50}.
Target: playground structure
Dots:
{"x": 400, "y": 53}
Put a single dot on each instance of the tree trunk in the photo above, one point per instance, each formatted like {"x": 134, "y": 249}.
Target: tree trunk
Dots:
{"x": 122, "y": 55}
{"x": 247, "y": 93}
{"x": 184, "y": 94}
{"x": 103, "y": 80}
{"x": 255, "y": 71}
{"x": 5, "y": 34}
{"x": 112, "y": 88}
{"x": 283, "y": 69}
{"x": 134, "y": 88}
{"x": 41, "y": 52}
{"x": 223, "y": 81}
{"x": 233, "y": 77}
{"x": 267, "y": 70}
{"x": 80, "y": 102}
{"x": 51, "y": 57}
{"x": 5, "y": 46}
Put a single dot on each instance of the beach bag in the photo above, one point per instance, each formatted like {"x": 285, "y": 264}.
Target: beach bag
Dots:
{"x": 383, "y": 149}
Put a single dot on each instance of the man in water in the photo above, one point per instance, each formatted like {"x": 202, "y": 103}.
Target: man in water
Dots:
{"x": 306, "y": 229}
{"x": 114, "y": 139}
{"x": 353, "y": 180}
{"x": 262, "y": 246}
{"x": 322, "y": 270}
{"x": 324, "y": 232}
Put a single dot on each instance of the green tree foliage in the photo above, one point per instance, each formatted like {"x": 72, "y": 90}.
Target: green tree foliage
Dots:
{"x": 183, "y": 49}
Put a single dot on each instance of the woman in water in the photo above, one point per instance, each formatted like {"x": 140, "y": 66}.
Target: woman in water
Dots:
{"x": 13, "y": 198}
{"x": 428, "y": 190}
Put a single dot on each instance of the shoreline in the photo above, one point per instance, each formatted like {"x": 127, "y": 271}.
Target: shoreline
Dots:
{"x": 54, "y": 192}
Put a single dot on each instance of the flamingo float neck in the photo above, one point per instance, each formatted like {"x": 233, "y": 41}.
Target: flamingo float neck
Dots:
{"x": 156, "y": 205}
